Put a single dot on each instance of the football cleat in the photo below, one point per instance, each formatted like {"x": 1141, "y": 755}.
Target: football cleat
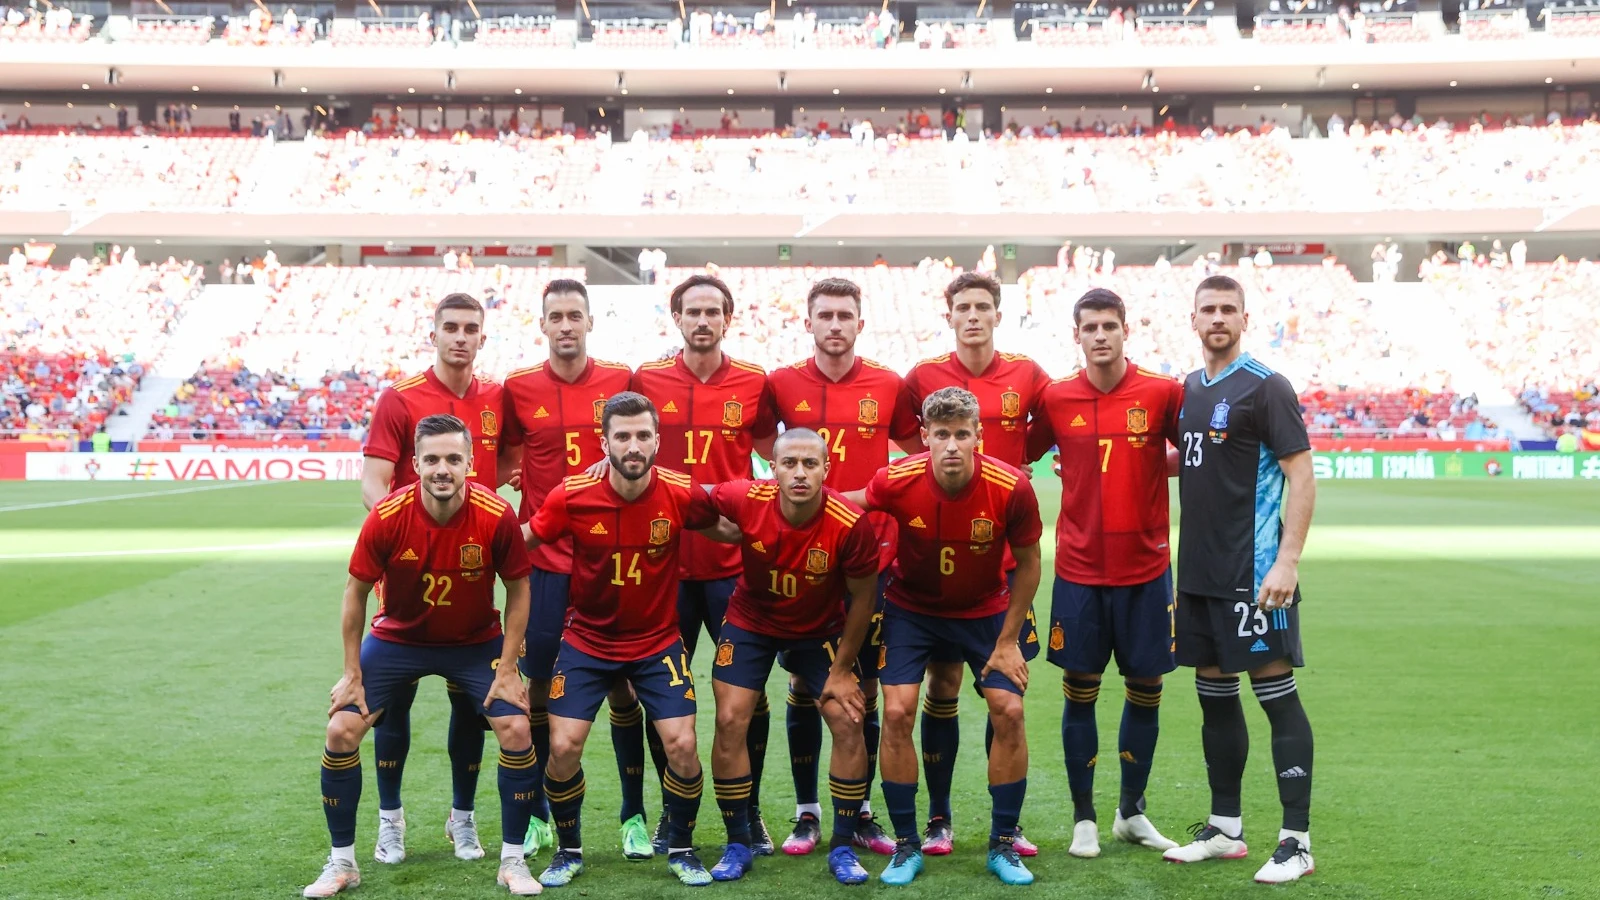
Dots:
{"x": 689, "y": 869}
{"x": 870, "y": 836}
{"x": 904, "y": 864}
{"x": 658, "y": 842}
{"x": 760, "y": 837}
{"x": 540, "y": 835}
{"x": 636, "y": 843}
{"x": 938, "y": 838}
{"x": 515, "y": 877}
{"x": 1007, "y": 866}
{"x": 736, "y": 860}
{"x": 564, "y": 866}
{"x": 807, "y": 832}
{"x": 1209, "y": 843}
{"x": 1024, "y": 846}
{"x": 1291, "y": 860}
{"x": 1139, "y": 830}
{"x": 1085, "y": 839}
{"x": 391, "y": 847}
{"x": 336, "y": 876}
{"x": 463, "y": 833}
{"x": 846, "y": 868}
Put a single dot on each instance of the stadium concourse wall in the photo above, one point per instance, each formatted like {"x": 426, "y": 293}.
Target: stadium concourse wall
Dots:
{"x": 319, "y": 466}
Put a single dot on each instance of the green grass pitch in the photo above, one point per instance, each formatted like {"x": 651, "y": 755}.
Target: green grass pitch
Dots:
{"x": 165, "y": 661}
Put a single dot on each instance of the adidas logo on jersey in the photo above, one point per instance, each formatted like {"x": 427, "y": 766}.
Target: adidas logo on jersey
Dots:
{"x": 598, "y": 529}
{"x": 1294, "y": 772}
{"x": 917, "y": 523}
{"x": 670, "y": 407}
{"x": 1078, "y": 422}
{"x": 802, "y": 406}
{"x": 408, "y": 556}
{"x": 541, "y": 413}
{"x": 1259, "y": 646}
{"x": 757, "y": 547}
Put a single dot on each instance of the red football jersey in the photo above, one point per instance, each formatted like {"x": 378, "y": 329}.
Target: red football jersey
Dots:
{"x": 858, "y": 416}
{"x": 1008, "y": 392}
{"x": 1115, "y": 525}
{"x": 394, "y": 424}
{"x": 708, "y": 429}
{"x": 950, "y": 561}
{"x": 558, "y": 425}
{"x": 793, "y": 584}
{"x": 438, "y": 580}
{"x": 624, "y": 559}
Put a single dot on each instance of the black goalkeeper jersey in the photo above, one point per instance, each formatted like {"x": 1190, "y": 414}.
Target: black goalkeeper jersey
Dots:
{"x": 1233, "y": 430}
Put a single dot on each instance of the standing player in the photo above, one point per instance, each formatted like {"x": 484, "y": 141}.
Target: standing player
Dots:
{"x": 714, "y": 412}
{"x": 553, "y": 410}
{"x": 449, "y": 388}
{"x": 626, "y": 527}
{"x": 804, "y": 549}
{"x": 1239, "y": 546}
{"x": 1008, "y": 388}
{"x": 857, "y": 406}
{"x": 437, "y": 546}
{"x": 1113, "y": 586}
{"x": 948, "y": 594}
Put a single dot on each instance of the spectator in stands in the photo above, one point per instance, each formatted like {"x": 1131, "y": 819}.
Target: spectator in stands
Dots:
{"x": 450, "y": 259}
{"x": 647, "y": 266}
{"x": 1519, "y": 255}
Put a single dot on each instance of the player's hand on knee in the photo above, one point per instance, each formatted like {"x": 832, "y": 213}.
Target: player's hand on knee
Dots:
{"x": 1007, "y": 660}
{"x": 1277, "y": 589}
{"x": 508, "y": 687}
{"x": 842, "y": 688}
{"x": 348, "y": 692}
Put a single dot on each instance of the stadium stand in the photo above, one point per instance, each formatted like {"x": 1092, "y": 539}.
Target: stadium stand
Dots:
{"x": 50, "y": 171}
{"x": 52, "y": 25}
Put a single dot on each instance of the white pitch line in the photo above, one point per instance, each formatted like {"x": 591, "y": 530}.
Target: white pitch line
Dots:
{"x": 82, "y": 501}
{"x": 176, "y": 551}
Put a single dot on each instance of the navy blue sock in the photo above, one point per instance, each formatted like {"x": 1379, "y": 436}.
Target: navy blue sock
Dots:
{"x": 1007, "y": 808}
{"x": 941, "y": 736}
{"x": 465, "y": 743}
{"x": 341, "y": 793}
{"x": 848, "y": 794}
{"x": 1080, "y": 743}
{"x": 902, "y": 802}
{"x": 872, "y": 732}
{"x": 391, "y": 744}
{"x": 1136, "y": 743}
{"x": 539, "y": 724}
{"x": 627, "y": 742}
{"x": 755, "y": 743}
{"x": 566, "y": 808}
{"x": 733, "y": 800}
{"x": 519, "y": 789}
{"x": 803, "y": 722}
{"x": 682, "y": 797}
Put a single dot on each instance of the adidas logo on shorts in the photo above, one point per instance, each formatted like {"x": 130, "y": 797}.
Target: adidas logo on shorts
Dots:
{"x": 1259, "y": 646}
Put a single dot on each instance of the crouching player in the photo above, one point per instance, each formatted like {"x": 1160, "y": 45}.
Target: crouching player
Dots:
{"x": 437, "y": 545}
{"x": 804, "y": 547}
{"x": 957, "y": 509}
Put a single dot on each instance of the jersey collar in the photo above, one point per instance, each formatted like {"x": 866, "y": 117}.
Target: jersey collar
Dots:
{"x": 1127, "y": 376}
{"x": 1233, "y": 367}
{"x": 646, "y": 494}
{"x": 433, "y": 378}
{"x": 819, "y": 375}
{"x": 716, "y": 376}
{"x": 588, "y": 369}
{"x": 960, "y": 367}
{"x": 938, "y": 489}
{"x": 428, "y": 519}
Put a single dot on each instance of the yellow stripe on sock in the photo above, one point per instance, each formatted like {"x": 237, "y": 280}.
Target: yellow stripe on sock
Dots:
{"x": 569, "y": 794}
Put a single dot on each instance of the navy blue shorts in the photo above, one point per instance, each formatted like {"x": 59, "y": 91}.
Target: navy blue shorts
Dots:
{"x": 913, "y": 640}
{"x": 702, "y": 604}
{"x": 1028, "y": 640}
{"x": 744, "y": 659}
{"x": 1089, "y": 624}
{"x": 581, "y": 682}
{"x": 547, "y": 616}
{"x": 386, "y": 666}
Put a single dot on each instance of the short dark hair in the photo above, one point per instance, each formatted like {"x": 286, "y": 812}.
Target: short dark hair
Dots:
{"x": 628, "y": 403}
{"x": 834, "y": 287}
{"x": 564, "y": 286}
{"x": 458, "y": 301}
{"x": 429, "y": 426}
{"x": 969, "y": 280}
{"x": 694, "y": 281}
{"x": 790, "y": 435}
{"x": 1220, "y": 283}
{"x": 951, "y": 404}
{"x": 1100, "y": 299}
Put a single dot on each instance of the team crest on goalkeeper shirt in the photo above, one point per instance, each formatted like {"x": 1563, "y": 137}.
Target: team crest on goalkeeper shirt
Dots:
{"x": 471, "y": 556}
{"x": 817, "y": 561}
{"x": 488, "y": 423}
{"x": 558, "y": 687}
{"x": 982, "y": 531}
{"x": 732, "y": 414}
{"x": 1010, "y": 405}
{"x": 660, "y": 531}
{"x": 867, "y": 411}
{"x": 725, "y": 653}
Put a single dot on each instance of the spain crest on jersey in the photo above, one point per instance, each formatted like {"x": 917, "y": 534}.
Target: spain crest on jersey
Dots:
{"x": 558, "y": 687}
{"x": 488, "y": 423}
{"x": 599, "y": 410}
{"x": 1058, "y": 638}
{"x": 982, "y": 531}
{"x": 867, "y": 411}
{"x": 1138, "y": 420}
{"x": 816, "y": 561}
{"x": 1010, "y": 405}
{"x": 732, "y": 414}
{"x": 660, "y": 531}
{"x": 471, "y": 556}
{"x": 725, "y": 653}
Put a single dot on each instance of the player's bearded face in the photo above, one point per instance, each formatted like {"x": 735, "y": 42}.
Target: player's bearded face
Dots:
{"x": 566, "y": 325}
{"x": 702, "y": 321}
{"x": 835, "y": 324}
{"x": 631, "y": 446}
{"x": 442, "y": 463}
{"x": 1219, "y": 319}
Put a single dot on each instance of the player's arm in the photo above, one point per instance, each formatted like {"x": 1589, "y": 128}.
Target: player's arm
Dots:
{"x": 907, "y": 430}
{"x": 549, "y": 522}
{"x": 384, "y": 439}
{"x": 508, "y": 466}
{"x": 508, "y": 684}
{"x": 352, "y": 622}
{"x": 719, "y": 500}
{"x": 1007, "y": 656}
{"x": 724, "y": 532}
{"x": 842, "y": 687}
{"x": 911, "y": 446}
{"x": 377, "y": 474}
{"x": 1277, "y": 588}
